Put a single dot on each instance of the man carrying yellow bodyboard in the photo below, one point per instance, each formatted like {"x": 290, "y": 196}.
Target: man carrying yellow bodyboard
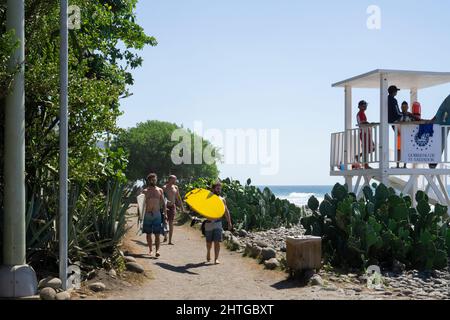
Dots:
{"x": 212, "y": 206}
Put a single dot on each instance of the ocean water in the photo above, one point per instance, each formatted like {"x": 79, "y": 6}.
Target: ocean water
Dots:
{"x": 299, "y": 195}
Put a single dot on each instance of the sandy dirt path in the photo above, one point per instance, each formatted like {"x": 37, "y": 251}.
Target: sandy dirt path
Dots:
{"x": 182, "y": 273}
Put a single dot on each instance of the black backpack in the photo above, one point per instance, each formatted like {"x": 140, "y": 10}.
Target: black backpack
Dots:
{"x": 203, "y": 227}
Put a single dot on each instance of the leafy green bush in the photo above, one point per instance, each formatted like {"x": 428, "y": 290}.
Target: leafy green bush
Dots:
{"x": 253, "y": 209}
{"x": 7, "y": 45}
{"x": 150, "y": 147}
{"x": 100, "y": 74}
{"x": 380, "y": 228}
{"x": 97, "y": 223}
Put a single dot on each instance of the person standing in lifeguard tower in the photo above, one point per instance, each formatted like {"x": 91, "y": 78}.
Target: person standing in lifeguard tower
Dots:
{"x": 364, "y": 134}
{"x": 406, "y": 117}
{"x": 394, "y": 113}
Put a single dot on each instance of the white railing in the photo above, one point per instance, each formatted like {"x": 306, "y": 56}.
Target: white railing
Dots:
{"x": 360, "y": 147}
{"x": 337, "y": 158}
{"x": 355, "y": 147}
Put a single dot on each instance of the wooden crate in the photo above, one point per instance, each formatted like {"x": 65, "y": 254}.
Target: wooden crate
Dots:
{"x": 304, "y": 253}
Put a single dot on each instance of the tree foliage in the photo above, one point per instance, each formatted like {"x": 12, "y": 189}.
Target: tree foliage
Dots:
{"x": 150, "y": 145}
{"x": 102, "y": 54}
{"x": 101, "y": 58}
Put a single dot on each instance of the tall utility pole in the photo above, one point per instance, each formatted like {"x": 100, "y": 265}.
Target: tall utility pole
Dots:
{"x": 63, "y": 137}
{"x": 16, "y": 278}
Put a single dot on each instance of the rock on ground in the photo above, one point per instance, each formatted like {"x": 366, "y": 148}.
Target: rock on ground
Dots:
{"x": 261, "y": 243}
{"x": 268, "y": 253}
{"x": 134, "y": 267}
{"x": 248, "y": 249}
{"x": 129, "y": 259}
{"x": 316, "y": 280}
{"x": 272, "y": 263}
{"x": 274, "y": 238}
{"x": 97, "y": 286}
{"x": 50, "y": 282}
{"x": 256, "y": 251}
{"x": 227, "y": 235}
{"x": 64, "y": 295}
{"x": 112, "y": 273}
{"x": 234, "y": 243}
{"x": 242, "y": 233}
{"x": 47, "y": 293}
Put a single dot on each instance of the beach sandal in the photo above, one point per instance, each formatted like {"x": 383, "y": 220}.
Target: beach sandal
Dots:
{"x": 157, "y": 254}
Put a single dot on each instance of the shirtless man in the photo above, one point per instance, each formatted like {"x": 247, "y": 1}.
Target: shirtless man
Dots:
{"x": 154, "y": 200}
{"x": 173, "y": 199}
{"x": 213, "y": 228}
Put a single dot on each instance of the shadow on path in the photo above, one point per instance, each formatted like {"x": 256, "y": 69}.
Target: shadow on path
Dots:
{"x": 141, "y": 256}
{"x": 287, "y": 284}
{"x": 181, "y": 269}
{"x": 142, "y": 243}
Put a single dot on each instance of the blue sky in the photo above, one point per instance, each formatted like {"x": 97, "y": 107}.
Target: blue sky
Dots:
{"x": 270, "y": 64}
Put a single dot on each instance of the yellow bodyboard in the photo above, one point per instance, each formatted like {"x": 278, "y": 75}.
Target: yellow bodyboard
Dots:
{"x": 205, "y": 203}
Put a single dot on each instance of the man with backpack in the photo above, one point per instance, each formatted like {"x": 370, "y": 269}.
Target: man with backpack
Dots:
{"x": 213, "y": 228}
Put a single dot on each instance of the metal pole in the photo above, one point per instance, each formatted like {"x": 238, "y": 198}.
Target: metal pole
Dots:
{"x": 16, "y": 278}
{"x": 63, "y": 137}
{"x": 347, "y": 135}
{"x": 14, "y": 167}
{"x": 384, "y": 130}
{"x": 414, "y": 95}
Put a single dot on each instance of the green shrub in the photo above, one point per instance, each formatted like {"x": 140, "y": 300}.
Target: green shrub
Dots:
{"x": 97, "y": 224}
{"x": 380, "y": 228}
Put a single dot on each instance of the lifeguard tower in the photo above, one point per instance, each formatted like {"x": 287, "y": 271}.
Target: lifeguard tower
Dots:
{"x": 374, "y": 146}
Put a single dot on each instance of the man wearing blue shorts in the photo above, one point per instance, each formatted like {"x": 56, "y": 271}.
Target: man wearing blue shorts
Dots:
{"x": 154, "y": 200}
{"x": 213, "y": 228}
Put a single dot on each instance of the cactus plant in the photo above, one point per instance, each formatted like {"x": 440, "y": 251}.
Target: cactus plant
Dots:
{"x": 252, "y": 208}
{"x": 382, "y": 228}
{"x": 313, "y": 203}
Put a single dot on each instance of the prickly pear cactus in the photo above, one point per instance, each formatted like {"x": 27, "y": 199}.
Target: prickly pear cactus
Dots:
{"x": 382, "y": 227}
